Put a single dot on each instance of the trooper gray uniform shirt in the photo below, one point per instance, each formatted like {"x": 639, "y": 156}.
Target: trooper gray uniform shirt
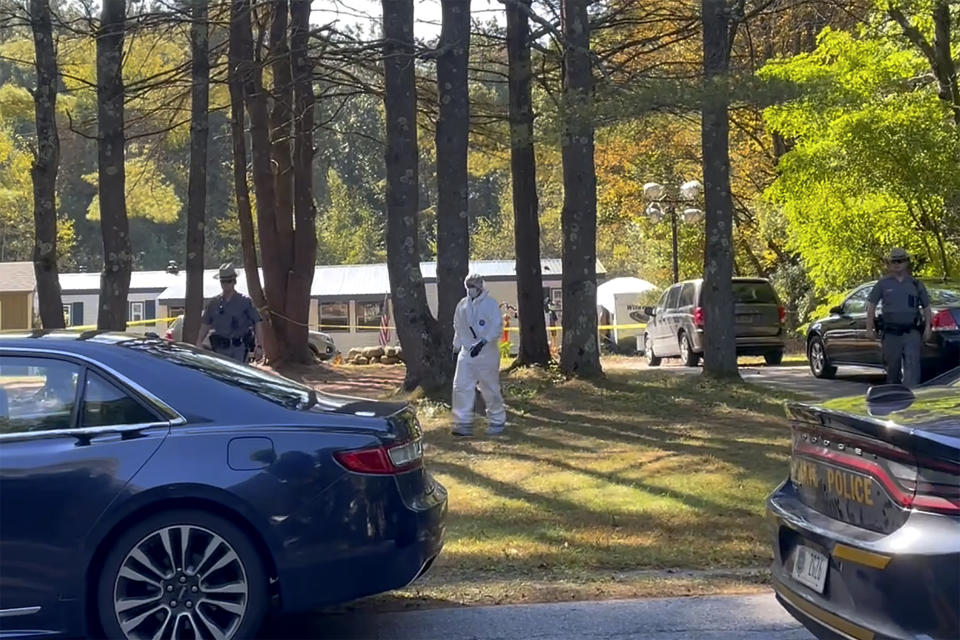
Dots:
{"x": 232, "y": 319}
{"x": 902, "y": 335}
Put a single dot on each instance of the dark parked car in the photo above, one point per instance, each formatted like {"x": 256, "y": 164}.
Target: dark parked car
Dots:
{"x": 152, "y": 490}
{"x": 675, "y": 326}
{"x": 866, "y": 529}
{"x": 842, "y": 339}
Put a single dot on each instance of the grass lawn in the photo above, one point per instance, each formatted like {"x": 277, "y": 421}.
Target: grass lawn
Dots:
{"x": 607, "y": 490}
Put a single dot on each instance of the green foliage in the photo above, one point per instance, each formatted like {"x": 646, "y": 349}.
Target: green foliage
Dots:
{"x": 149, "y": 195}
{"x": 16, "y": 198}
{"x": 348, "y": 230}
{"x": 873, "y": 163}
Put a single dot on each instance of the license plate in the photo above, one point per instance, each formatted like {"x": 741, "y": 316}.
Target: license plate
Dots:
{"x": 745, "y": 319}
{"x": 810, "y": 568}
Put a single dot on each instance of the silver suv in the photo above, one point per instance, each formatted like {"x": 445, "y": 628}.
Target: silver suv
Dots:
{"x": 675, "y": 325}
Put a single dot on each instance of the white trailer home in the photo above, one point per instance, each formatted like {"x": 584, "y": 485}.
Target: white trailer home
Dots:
{"x": 347, "y": 301}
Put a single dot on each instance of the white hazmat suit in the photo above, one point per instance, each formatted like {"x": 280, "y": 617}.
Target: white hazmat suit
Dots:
{"x": 477, "y": 325}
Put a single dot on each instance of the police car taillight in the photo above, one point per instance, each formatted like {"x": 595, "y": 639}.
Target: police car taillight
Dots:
{"x": 938, "y": 487}
{"x": 943, "y": 321}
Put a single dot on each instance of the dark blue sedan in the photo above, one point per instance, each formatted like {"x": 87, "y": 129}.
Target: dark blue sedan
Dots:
{"x": 866, "y": 529}
{"x": 152, "y": 490}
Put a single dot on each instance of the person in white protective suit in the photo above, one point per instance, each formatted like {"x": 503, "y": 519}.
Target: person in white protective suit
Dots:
{"x": 477, "y": 325}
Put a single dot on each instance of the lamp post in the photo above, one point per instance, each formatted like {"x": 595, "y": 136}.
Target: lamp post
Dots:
{"x": 657, "y": 195}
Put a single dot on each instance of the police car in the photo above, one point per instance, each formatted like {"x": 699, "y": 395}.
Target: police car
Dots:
{"x": 866, "y": 528}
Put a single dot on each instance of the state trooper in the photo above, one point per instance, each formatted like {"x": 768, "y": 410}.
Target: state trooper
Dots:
{"x": 476, "y": 327}
{"x": 231, "y": 320}
{"x": 907, "y": 319}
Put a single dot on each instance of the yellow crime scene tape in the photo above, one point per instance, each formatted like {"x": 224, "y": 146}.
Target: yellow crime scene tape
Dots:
{"x": 375, "y": 327}
{"x": 133, "y": 323}
{"x": 366, "y": 327}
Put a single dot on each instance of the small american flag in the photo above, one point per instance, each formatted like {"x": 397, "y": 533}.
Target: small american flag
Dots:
{"x": 384, "y": 326}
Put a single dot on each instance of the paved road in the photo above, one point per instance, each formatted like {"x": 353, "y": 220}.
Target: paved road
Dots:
{"x": 756, "y": 617}
{"x": 797, "y": 378}
{"x": 850, "y": 380}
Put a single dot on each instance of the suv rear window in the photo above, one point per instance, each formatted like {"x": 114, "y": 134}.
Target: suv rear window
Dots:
{"x": 672, "y": 296}
{"x": 754, "y": 293}
{"x": 687, "y": 295}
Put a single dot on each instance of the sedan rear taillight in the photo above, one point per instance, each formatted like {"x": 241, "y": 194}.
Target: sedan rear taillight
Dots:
{"x": 943, "y": 321}
{"x": 383, "y": 460}
{"x": 782, "y": 312}
{"x": 698, "y": 317}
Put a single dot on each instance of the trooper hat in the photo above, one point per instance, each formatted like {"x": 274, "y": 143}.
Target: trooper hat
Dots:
{"x": 227, "y": 272}
{"x": 897, "y": 254}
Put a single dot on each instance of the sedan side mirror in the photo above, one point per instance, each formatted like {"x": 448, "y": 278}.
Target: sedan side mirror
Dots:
{"x": 650, "y": 311}
{"x": 837, "y": 311}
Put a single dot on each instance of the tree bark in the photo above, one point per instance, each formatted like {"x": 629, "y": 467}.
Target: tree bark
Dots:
{"x": 275, "y": 265}
{"x": 452, "y": 138}
{"x": 278, "y": 250}
{"x": 240, "y": 19}
{"x": 304, "y": 211}
{"x": 197, "y": 188}
{"x": 938, "y": 53}
{"x": 580, "y": 355}
{"x": 46, "y": 163}
{"x": 427, "y": 363}
{"x": 945, "y": 69}
{"x": 114, "y": 225}
{"x": 720, "y": 343}
{"x": 534, "y": 347}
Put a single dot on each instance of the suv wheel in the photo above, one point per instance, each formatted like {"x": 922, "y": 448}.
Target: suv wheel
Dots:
{"x": 652, "y": 359}
{"x": 819, "y": 362}
{"x": 687, "y": 354}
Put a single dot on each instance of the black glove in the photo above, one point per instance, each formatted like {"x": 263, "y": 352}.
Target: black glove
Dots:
{"x": 477, "y": 348}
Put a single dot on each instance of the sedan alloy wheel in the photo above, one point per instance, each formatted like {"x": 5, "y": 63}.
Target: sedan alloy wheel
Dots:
{"x": 185, "y": 580}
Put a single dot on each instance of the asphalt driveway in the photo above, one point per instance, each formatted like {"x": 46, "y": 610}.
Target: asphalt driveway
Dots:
{"x": 792, "y": 377}
{"x": 756, "y": 617}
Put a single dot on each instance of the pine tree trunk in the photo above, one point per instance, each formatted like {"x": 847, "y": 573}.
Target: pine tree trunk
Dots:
{"x": 114, "y": 225}
{"x": 44, "y": 170}
{"x": 534, "y": 347}
{"x": 274, "y": 264}
{"x": 305, "y": 214}
{"x": 581, "y": 350}
{"x": 240, "y": 19}
{"x": 197, "y": 188}
{"x": 278, "y": 251}
{"x": 428, "y": 365}
{"x": 453, "y": 131}
{"x": 720, "y": 342}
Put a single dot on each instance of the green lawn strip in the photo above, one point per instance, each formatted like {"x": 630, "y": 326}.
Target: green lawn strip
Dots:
{"x": 642, "y": 470}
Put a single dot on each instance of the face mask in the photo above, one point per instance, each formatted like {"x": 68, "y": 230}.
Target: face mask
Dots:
{"x": 473, "y": 292}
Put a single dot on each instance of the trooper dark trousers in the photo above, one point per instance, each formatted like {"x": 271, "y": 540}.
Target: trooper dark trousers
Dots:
{"x": 901, "y": 353}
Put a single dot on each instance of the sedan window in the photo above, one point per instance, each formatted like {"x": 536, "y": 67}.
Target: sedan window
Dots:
{"x": 857, "y": 302}
{"x": 106, "y": 405}
{"x": 943, "y": 297}
{"x": 268, "y": 386}
{"x": 36, "y": 394}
